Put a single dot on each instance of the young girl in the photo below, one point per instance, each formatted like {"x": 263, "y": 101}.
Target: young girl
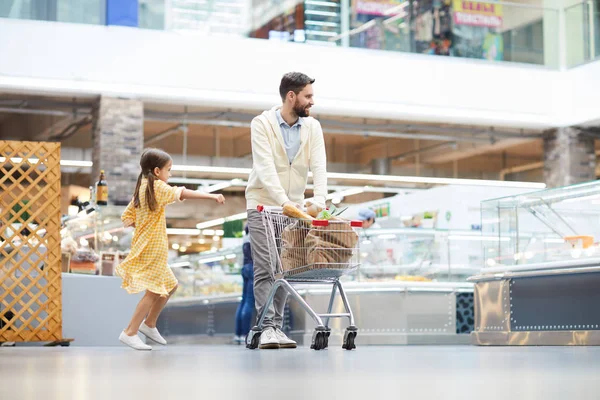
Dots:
{"x": 145, "y": 268}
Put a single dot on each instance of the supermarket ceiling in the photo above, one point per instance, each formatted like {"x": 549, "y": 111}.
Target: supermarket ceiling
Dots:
{"x": 222, "y": 137}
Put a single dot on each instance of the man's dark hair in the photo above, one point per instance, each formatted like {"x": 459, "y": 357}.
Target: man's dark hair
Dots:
{"x": 294, "y": 81}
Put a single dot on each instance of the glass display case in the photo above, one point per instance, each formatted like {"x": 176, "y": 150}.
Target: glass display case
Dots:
{"x": 95, "y": 243}
{"x": 209, "y": 274}
{"x": 554, "y": 225}
{"x": 415, "y": 254}
{"x": 387, "y": 255}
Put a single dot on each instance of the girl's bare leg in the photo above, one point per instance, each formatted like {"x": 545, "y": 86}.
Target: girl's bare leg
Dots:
{"x": 156, "y": 309}
{"x": 142, "y": 309}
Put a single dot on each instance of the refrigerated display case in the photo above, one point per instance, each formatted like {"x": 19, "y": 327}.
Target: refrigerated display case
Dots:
{"x": 411, "y": 288}
{"x": 542, "y": 268}
{"x": 95, "y": 243}
{"x": 209, "y": 275}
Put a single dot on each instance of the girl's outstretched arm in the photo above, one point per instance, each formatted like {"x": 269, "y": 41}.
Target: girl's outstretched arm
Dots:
{"x": 193, "y": 194}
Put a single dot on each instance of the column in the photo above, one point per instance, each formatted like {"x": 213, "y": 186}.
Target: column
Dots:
{"x": 118, "y": 137}
{"x": 569, "y": 157}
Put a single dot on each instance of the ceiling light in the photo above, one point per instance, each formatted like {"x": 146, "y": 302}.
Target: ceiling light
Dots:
{"x": 184, "y": 264}
{"x": 217, "y": 170}
{"x": 244, "y": 172}
{"x": 479, "y": 238}
{"x": 175, "y": 246}
{"x": 187, "y": 232}
{"x": 216, "y": 187}
{"x": 212, "y": 259}
{"x": 220, "y": 221}
{"x": 208, "y": 232}
{"x": 75, "y": 163}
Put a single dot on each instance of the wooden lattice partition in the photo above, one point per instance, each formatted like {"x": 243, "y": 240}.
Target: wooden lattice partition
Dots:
{"x": 30, "y": 256}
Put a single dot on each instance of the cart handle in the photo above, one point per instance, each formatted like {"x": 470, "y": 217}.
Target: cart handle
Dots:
{"x": 315, "y": 222}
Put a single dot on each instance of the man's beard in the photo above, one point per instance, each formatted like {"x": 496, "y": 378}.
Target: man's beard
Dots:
{"x": 300, "y": 111}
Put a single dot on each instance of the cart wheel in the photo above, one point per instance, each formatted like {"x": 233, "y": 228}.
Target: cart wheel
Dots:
{"x": 253, "y": 338}
{"x": 327, "y": 334}
{"x": 320, "y": 341}
{"x": 349, "y": 337}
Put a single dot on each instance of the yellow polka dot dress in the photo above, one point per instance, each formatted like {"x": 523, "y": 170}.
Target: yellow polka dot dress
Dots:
{"x": 146, "y": 268}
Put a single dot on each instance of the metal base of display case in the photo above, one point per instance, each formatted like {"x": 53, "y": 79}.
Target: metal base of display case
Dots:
{"x": 539, "y": 304}
{"x": 532, "y": 338}
{"x": 394, "y": 313}
{"x": 391, "y": 339}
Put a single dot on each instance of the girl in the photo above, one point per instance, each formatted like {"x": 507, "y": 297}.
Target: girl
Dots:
{"x": 145, "y": 268}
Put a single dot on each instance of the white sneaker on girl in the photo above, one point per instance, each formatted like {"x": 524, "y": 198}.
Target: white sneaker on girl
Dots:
{"x": 152, "y": 334}
{"x": 134, "y": 342}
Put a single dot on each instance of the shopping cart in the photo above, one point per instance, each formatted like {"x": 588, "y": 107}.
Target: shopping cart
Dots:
{"x": 310, "y": 251}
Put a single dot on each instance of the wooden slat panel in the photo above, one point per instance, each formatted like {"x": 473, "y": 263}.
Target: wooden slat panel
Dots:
{"x": 30, "y": 263}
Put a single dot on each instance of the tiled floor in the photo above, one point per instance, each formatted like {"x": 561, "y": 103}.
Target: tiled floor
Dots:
{"x": 230, "y": 372}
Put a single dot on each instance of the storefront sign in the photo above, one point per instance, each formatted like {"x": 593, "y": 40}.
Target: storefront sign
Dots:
{"x": 477, "y": 14}
{"x": 376, "y": 7}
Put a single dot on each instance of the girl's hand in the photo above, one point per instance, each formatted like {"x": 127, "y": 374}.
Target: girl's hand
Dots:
{"x": 219, "y": 198}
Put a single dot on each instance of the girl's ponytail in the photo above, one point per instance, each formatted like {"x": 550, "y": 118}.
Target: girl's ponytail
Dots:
{"x": 150, "y": 198}
{"x": 136, "y": 194}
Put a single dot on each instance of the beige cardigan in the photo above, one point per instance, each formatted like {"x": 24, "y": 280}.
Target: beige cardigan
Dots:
{"x": 273, "y": 181}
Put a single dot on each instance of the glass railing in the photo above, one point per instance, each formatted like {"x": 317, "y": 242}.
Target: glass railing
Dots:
{"x": 496, "y": 31}
{"x": 466, "y": 29}
{"x": 582, "y": 33}
{"x": 77, "y": 11}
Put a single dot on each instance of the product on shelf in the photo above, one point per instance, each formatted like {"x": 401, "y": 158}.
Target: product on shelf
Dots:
{"x": 411, "y": 278}
{"x": 102, "y": 190}
{"x": 84, "y": 262}
{"x": 109, "y": 260}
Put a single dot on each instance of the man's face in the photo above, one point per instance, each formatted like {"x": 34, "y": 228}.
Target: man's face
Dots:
{"x": 303, "y": 101}
{"x": 368, "y": 223}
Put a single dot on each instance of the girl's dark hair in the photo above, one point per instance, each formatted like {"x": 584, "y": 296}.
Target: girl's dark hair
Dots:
{"x": 151, "y": 158}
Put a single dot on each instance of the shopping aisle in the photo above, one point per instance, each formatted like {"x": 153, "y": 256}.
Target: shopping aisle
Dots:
{"x": 227, "y": 372}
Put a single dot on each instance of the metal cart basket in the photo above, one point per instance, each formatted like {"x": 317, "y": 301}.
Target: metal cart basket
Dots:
{"x": 310, "y": 251}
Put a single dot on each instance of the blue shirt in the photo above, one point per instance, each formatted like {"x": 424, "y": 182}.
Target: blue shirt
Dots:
{"x": 291, "y": 136}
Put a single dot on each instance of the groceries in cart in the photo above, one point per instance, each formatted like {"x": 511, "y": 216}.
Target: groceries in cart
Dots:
{"x": 309, "y": 243}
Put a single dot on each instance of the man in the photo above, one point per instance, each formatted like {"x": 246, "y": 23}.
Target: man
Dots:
{"x": 367, "y": 216}
{"x": 286, "y": 143}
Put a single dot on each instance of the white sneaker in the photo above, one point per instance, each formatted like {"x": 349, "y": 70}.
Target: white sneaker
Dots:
{"x": 268, "y": 339}
{"x": 240, "y": 339}
{"x": 284, "y": 341}
{"x": 133, "y": 341}
{"x": 152, "y": 334}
